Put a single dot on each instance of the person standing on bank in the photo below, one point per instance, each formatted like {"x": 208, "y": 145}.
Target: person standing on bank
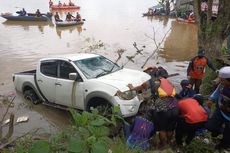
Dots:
{"x": 221, "y": 115}
{"x": 196, "y": 69}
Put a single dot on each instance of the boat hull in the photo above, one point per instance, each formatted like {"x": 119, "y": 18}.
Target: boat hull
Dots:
{"x": 185, "y": 21}
{"x": 43, "y": 18}
{"x": 68, "y": 23}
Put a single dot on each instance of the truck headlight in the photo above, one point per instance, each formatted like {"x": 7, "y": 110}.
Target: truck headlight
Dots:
{"x": 126, "y": 95}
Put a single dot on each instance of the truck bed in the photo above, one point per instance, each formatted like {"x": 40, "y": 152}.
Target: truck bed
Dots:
{"x": 30, "y": 72}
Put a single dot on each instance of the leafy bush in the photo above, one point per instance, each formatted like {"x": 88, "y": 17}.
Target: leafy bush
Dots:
{"x": 198, "y": 146}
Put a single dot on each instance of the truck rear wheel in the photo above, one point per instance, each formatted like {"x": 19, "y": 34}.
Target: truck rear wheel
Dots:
{"x": 31, "y": 96}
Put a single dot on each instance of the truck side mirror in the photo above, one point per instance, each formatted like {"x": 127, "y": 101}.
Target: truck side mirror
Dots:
{"x": 73, "y": 76}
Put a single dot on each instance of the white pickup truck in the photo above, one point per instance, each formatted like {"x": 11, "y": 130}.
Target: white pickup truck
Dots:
{"x": 82, "y": 81}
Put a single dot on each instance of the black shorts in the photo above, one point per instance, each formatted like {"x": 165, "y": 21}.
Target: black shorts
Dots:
{"x": 166, "y": 120}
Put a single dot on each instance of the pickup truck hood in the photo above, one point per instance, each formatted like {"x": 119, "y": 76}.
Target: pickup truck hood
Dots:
{"x": 120, "y": 79}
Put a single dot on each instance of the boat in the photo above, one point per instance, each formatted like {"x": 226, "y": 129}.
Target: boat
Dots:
{"x": 185, "y": 20}
{"x": 68, "y": 23}
{"x": 154, "y": 14}
{"x": 29, "y": 17}
{"x": 64, "y": 7}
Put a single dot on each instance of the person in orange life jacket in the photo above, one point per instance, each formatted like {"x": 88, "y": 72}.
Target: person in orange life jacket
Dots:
{"x": 165, "y": 106}
{"x": 221, "y": 115}
{"x": 196, "y": 69}
{"x": 192, "y": 117}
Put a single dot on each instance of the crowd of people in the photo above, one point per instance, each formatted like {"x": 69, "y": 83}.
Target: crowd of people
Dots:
{"x": 24, "y": 13}
{"x": 61, "y": 4}
{"x": 185, "y": 114}
{"x": 69, "y": 17}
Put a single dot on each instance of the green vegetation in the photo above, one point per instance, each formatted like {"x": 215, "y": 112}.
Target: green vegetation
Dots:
{"x": 90, "y": 133}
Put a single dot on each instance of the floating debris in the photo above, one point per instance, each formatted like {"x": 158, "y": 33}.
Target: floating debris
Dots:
{"x": 22, "y": 119}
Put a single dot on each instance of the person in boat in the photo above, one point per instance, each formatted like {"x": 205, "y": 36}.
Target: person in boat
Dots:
{"x": 196, "y": 69}
{"x": 22, "y": 12}
{"x": 191, "y": 16}
{"x": 78, "y": 17}
{"x": 64, "y": 4}
{"x": 38, "y": 13}
{"x": 71, "y": 3}
{"x": 50, "y": 3}
{"x": 69, "y": 17}
{"x": 150, "y": 11}
{"x": 59, "y": 3}
{"x": 57, "y": 18}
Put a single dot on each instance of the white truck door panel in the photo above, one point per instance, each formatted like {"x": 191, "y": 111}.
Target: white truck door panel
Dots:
{"x": 47, "y": 78}
{"x": 68, "y": 92}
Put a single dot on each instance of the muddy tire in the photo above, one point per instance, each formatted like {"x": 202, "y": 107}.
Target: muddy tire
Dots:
{"x": 104, "y": 108}
{"x": 31, "y": 96}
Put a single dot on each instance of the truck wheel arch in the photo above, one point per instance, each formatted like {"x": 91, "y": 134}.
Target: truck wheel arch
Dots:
{"x": 30, "y": 93}
{"x": 96, "y": 98}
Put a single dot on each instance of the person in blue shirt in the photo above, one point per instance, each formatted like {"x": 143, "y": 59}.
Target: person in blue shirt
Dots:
{"x": 186, "y": 90}
{"x": 219, "y": 123}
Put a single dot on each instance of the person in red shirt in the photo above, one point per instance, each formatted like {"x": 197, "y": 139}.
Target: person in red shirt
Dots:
{"x": 192, "y": 117}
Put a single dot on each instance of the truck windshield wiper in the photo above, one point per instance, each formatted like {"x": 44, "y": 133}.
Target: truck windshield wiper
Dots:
{"x": 101, "y": 74}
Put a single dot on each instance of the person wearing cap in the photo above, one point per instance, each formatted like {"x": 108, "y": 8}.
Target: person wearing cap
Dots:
{"x": 192, "y": 117}
{"x": 196, "y": 69}
{"x": 221, "y": 115}
{"x": 165, "y": 104}
{"x": 165, "y": 111}
{"x": 186, "y": 91}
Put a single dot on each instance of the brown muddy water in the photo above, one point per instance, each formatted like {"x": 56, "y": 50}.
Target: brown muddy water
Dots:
{"x": 116, "y": 23}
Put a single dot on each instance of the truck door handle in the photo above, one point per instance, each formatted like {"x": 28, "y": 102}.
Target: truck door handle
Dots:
{"x": 57, "y": 84}
{"x": 40, "y": 80}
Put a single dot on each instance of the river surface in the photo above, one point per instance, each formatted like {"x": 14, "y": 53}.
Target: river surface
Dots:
{"x": 115, "y": 23}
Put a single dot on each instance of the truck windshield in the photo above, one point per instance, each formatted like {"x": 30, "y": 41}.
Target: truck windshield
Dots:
{"x": 96, "y": 66}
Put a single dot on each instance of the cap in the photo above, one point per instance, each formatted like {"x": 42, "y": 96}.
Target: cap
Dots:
{"x": 184, "y": 83}
{"x": 224, "y": 72}
{"x": 201, "y": 52}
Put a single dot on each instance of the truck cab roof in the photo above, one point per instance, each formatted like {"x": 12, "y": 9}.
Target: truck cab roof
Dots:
{"x": 72, "y": 57}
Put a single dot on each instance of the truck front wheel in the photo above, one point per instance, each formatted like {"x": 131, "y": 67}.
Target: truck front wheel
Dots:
{"x": 104, "y": 108}
{"x": 31, "y": 96}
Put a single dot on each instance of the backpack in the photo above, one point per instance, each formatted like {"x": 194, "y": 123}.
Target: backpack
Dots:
{"x": 140, "y": 134}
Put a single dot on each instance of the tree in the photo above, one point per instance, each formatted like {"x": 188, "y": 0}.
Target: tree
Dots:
{"x": 213, "y": 28}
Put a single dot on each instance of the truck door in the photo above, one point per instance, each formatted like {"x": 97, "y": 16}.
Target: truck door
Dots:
{"x": 46, "y": 78}
{"x": 68, "y": 92}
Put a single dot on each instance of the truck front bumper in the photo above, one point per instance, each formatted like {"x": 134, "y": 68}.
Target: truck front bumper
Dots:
{"x": 128, "y": 107}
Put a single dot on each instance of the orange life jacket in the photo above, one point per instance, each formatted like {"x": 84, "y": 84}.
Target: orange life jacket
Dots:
{"x": 192, "y": 111}
{"x": 166, "y": 88}
{"x": 199, "y": 64}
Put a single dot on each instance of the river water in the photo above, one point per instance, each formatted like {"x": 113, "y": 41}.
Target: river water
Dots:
{"x": 115, "y": 23}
